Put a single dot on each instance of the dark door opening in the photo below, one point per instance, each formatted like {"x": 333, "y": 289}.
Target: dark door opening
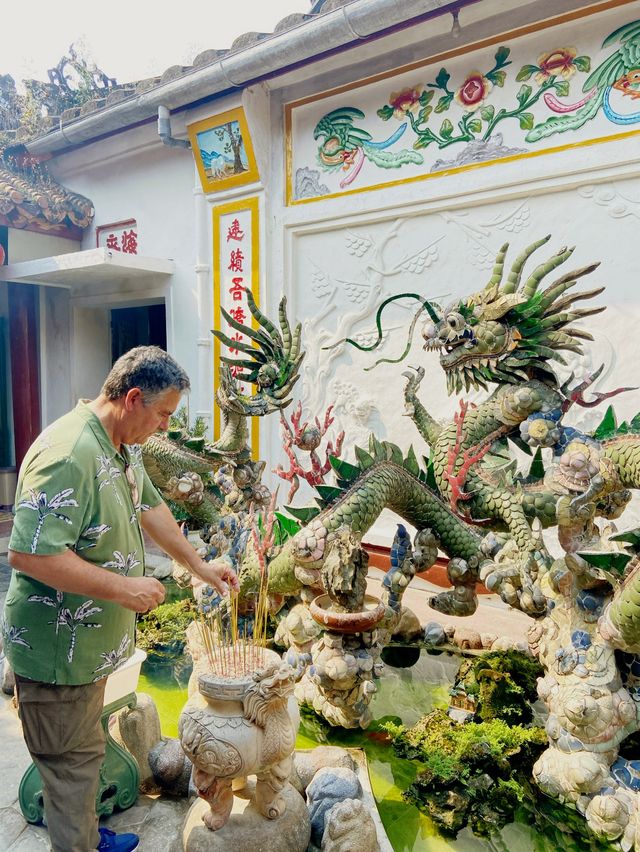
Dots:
{"x": 141, "y": 326}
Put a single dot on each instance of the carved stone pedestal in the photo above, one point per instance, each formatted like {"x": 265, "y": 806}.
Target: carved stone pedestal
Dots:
{"x": 247, "y": 829}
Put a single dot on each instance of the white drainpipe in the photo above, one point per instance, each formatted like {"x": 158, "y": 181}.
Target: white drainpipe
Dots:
{"x": 204, "y": 296}
{"x": 164, "y": 130}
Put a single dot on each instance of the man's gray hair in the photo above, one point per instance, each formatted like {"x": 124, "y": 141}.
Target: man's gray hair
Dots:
{"x": 149, "y": 368}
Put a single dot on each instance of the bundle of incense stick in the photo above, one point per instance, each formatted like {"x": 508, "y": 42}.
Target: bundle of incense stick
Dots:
{"x": 233, "y": 652}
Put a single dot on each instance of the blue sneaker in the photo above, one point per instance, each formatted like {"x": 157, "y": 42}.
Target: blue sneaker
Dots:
{"x": 112, "y": 842}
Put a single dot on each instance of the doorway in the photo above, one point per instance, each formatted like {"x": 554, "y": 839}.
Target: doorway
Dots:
{"x": 145, "y": 325}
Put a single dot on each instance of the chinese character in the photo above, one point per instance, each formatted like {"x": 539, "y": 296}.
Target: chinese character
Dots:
{"x": 112, "y": 242}
{"x": 235, "y": 232}
{"x": 235, "y": 370}
{"x": 237, "y": 290}
{"x": 236, "y": 261}
{"x": 130, "y": 242}
{"x": 237, "y": 337}
{"x": 238, "y": 314}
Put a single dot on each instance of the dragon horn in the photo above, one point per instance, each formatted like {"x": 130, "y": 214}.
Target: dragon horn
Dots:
{"x": 578, "y": 332}
{"x": 260, "y": 318}
{"x": 578, "y": 273}
{"x": 237, "y": 344}
{"x": 513, "y": 281}
{"x": 498, "y": 267}
{"x": 284, "y": 325}
{"x": 548, "y": 297}
{"x": 531, "y": 284}
{"x": 244, "y": 329}
{"x": 561, "y": 304}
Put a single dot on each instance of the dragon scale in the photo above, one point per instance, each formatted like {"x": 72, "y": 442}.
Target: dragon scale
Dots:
{"x": 388, "y": 485}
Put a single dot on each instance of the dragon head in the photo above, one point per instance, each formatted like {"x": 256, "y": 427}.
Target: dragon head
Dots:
{"x": 508, "y": 332}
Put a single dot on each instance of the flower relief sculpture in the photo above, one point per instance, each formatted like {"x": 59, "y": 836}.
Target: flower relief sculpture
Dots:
{"x": 462, "y": 109}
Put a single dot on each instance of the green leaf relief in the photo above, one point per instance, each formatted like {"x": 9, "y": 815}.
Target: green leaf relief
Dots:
{"x": 426, "y": 97}
{"x": 526, "y": 120}
{"x": 385, "y": 112}
{"x": 443, "y": 103}
{"x": 524, "y": 94}
{"x": 498, "y": 78}
{"x": 582, "y": 63}
{"x": 446, "y": 129}
{"x": 487, "y": 112}
{"x": 443, "y": 78}
{"x": 501, "y": 55}
{"x": 424, "y": 114}
{"x": 562, "y": 88}
{"x": 422, "y": 142}
{"x": 526, "y": 72}
{"x": 474, "y": 126}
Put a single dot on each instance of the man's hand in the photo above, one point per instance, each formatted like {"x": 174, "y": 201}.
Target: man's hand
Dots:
{"x": 160, "y": 524}
{"x": 218, "y": 574}
{"x": 141, "y": 594}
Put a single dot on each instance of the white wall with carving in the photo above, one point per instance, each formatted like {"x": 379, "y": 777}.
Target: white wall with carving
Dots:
{"x": 343, "y": 272}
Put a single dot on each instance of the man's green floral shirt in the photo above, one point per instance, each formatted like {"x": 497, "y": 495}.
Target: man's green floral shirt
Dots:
{"x": 76, "y": 492}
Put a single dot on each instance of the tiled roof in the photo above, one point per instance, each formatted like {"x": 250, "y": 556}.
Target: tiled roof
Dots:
{"x": 30, "y": 198}
{"x": 119, "y": 93}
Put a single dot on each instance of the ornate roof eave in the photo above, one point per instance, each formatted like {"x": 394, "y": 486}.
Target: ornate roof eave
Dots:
{"x": 31, "y": 200}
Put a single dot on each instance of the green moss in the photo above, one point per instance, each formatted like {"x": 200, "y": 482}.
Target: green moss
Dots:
{"x": 469, "y": 773}
{"x": 162, "y": 630}
{"x": 449, "y": 750}
{"x": 503, "y": 683}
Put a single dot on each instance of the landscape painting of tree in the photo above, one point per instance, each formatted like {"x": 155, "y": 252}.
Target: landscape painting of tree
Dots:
{"x": 223, "y": 151}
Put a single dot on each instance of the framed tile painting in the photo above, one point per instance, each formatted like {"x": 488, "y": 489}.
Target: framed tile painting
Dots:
{"x": 223, "y": 151}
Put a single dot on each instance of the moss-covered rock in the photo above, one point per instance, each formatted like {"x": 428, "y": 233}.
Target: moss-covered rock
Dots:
{"x": 470, "y": 773}
{"x": 161, "y": 632}
{"x": 503, "y": 684}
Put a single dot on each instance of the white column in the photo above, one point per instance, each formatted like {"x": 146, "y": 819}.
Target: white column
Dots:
{"x": 202, "y": 392}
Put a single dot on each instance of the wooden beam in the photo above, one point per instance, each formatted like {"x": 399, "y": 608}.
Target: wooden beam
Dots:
{"x": 67, "y": 232}
{"x": 25, "y": 373}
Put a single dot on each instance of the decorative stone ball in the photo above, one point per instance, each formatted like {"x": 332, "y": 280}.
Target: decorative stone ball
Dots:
{"x": 590, "y": 604}
{"x": 309, "y": 439}
{"x": 607, "y": 816}
{"x": 580, "y": 639}
{"x": 329, "y": 786}
{"x": 434, "y": 634}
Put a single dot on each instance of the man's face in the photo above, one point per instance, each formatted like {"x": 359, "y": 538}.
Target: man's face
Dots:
{"x": 144, "y": 418}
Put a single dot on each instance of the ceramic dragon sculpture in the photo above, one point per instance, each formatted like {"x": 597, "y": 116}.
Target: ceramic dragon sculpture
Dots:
{"x": 467, "y": 501}
{"x": 507, "y": 334}
{"x": 184, "y": 467}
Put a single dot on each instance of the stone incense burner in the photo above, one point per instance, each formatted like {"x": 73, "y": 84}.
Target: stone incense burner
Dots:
{"x": 233, "y": 727}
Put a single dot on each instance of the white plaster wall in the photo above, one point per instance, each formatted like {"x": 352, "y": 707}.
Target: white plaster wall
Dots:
{"x": 339, "y": 258}
{"x": 133, "y": 176}
{"x": 55, "y": 353}
{"x": 28, "y": 245}
{"x": 90, "y": 336}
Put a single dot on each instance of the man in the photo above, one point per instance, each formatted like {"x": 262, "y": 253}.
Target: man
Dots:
{"x": 77, "y": 552}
